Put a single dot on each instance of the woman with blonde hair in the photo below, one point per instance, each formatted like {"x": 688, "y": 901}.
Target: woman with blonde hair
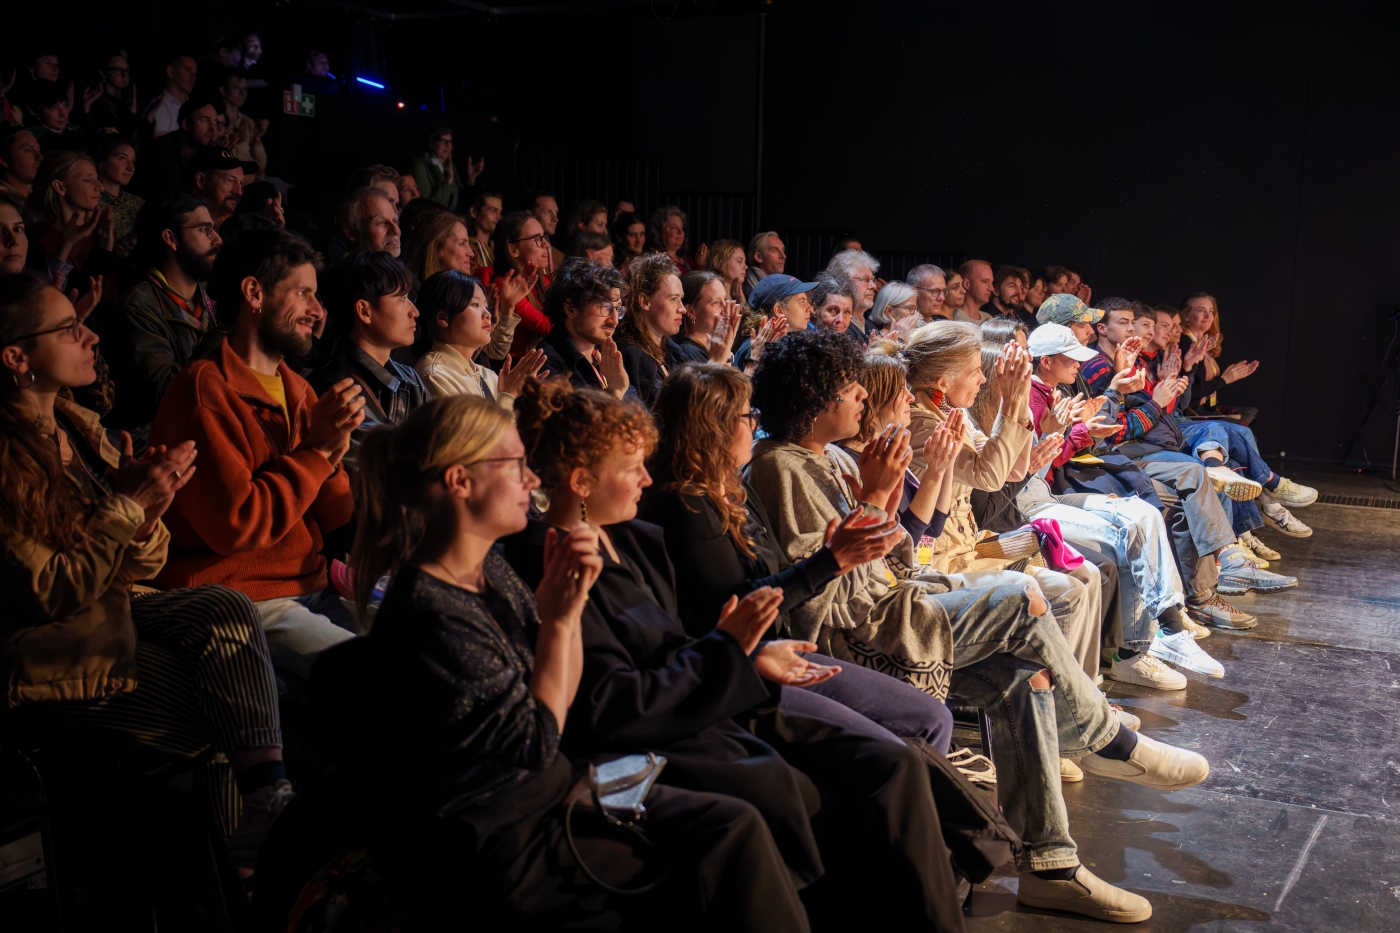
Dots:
{"x": 727, "y": 258}
{"x": 471, "y": 677}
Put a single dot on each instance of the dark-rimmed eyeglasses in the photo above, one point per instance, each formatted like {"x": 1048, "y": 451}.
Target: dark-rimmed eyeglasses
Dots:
{"x": 752, "y": 415}
{"x": 538, "y": 239}
{"x": 73, "y": 327}
{"x": 518, "y": 461}
{"x": 206, "y": 228}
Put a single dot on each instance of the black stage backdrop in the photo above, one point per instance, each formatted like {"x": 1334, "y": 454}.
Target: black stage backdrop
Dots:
{"x": 1248, "y": 150}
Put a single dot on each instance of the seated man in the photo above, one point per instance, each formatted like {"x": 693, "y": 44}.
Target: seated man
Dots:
{"x": 833, "y": 302}
{"x": 270, "y": 482}
{"x": 582, "y": 304}
{"x": 366, "y": 298}
{"x": 1202, "y": 530}
{"x": 777, "y": 295}
{"x": 217, "y": 177}
{"x": 165, "y": 168}
{"x": 367, "y": 220}
{"x": 172, "y": 318}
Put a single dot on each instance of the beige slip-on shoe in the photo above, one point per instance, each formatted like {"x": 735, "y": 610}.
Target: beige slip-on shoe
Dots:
{"x": 1085, "y": 894}
{"x": 1152, "y": 764}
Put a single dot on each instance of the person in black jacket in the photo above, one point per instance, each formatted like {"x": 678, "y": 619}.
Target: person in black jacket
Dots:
{"x": 464, "y": 686}
{"x": 707, "y": 703}
{"x": 655, "y": 309}
{"x": 583, "y": 303}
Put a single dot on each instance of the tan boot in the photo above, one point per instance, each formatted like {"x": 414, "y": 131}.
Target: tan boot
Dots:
{"x": 1085, "y": 894}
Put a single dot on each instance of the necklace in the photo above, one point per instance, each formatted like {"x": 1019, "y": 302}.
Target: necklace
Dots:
{"x": 474, "y": 586}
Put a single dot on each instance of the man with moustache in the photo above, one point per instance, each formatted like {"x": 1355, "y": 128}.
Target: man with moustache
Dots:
{"x": 369, "y": 222}
{"x": 217, "y": 180}
{"x": 582, "y": 303}
{"x": 271, "y": 483}
{"x": 171, "y": 317}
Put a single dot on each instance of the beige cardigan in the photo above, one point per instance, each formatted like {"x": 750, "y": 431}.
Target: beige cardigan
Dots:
{"x": 984, "y": 463}
{"x": 447, "y": 372}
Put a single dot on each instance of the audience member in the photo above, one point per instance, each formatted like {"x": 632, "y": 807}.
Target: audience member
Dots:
{"x": 163, "y": 113}
{"x": 115, "y": 157}
{"x": 979, "y": 285}
{"x": 932, "y": 287}
{"x": 217, "y": 180}
{"x": 49, "y": 108}
{"x": 655, "y": 309}
{"x": 710, "y": 319}
{"x": 454, "y": 304}
{"x": 245, "y": 134}
{"x": 727, "y": 259}
{"x": 408, "y": 191}
{"x": 110, "y": 106}
{"x": 957, "y": 294}
{"x": 858, "y": 268}
{"x": 72, "y": 231}
{"x": 589, "y": 215}
{"x": 1057, "y": 280}
{"x": 168, "y": 167}
{"x": 485, "y": 212}
{"x": 833, "y": 301}
{"x": 436, "y": 175}
{"x": 481, "y": 676}
{"x": 253, "y": 519}
{"x": 767, "y": 256}
{"x": 629, "y": 236}
{"x": 668, "y": 233}
{"x": 785, "y": 301}
{"x": 184, "y": 671}
{"x": 172, "y": 319}
{"x": 622, "y": 206}
{"x": 583, "y": 303}
{"x": 383, "y": 177}
{"x": 368, "y": 222}
{"x": 1009, "y": 288}
{"x": 369, "y": 316}
{"x": 595, "y": 246}
{"x": 262, "y": 199}
{"x": 14, "y": 241}
{"x": 542, "y": 206}
{"x": 20, "y": 157}
{"x": 521, "y": 255}
{"x": 439, "y": 242}
{"x": 896, "y": 310}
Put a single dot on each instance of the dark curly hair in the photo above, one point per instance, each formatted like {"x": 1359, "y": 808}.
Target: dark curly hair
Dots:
{"x": 799, "y": 376}
{"x": 579, "y": 281}
{"x": 564, "y": 428}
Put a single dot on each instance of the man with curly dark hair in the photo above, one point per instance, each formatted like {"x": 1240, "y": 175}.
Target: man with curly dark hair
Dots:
{"x": 583, "y": 303}
{"x": 999, "y": 646}
{"x": 799, "y": 377}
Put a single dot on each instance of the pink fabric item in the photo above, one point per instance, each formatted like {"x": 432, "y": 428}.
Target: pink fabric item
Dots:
{"x": 1058, "y": 552}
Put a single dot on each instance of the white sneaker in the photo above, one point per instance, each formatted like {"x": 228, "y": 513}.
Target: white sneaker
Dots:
{"x": 1152, "y": 764}
{"x": 1197, "y": 630}
{"x": 1259, "y": 548}
{"x": 976, "y": 768}
{"x": 1180, "y": 648}
{"x": 1085, "y": 894}
{"x": 1293, "y": 495}
{"x": 1069, "y": 771}
{"x": 1146, "y": 671}
{"x": 1280, "y": 519}
{"x": 1237, "y": 487}
{"x": 1250, "y": 554}
{"x": 260, "y": 808}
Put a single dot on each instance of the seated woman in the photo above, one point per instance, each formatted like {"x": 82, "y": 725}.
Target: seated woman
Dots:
{"x": 722, "y": 544}
{"x": 477, "y": 675}
{"x": 1005, "y": 650}
{"x": 944, "y": 364}
{"x": 521, "y": 256}
{"x": 453, "y": 305}
{"x": 648, "y": 686}
{"x": 655, "y": 309}
{"x": 710, "y": 322}
{"x": 181, "y": 671}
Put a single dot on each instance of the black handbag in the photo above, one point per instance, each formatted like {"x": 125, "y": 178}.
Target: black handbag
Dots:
{"x": 617, "y": 788}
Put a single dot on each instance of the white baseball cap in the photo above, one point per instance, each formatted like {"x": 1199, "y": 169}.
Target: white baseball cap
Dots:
{"x": 1051, "y": 339}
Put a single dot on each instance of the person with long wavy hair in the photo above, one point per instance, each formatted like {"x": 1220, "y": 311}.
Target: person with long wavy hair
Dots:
{"x": 183, "y": 671}
{"x": 655, "y": 311}
{"x": 720, "y": 539}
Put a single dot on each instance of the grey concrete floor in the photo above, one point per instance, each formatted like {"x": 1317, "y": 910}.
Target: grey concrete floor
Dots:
{"x": 1298, "y": 826}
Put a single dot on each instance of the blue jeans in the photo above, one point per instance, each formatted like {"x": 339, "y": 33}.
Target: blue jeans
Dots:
{"x": 873, "y": 704}
{"x": 1198, "y": 523}
{"x": 1235, "y": 440}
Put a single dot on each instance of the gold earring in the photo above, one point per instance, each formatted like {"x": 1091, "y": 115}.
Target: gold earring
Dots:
{"x": 583, "y": 510}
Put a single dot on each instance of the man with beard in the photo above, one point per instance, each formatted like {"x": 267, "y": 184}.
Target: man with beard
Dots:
{"x": 171, "y": 317}
{"x": 166, "y": 168}
{"x": 217, "y": 180}
{"x": 583, "y": 302}
{"x": 270, "y": 482}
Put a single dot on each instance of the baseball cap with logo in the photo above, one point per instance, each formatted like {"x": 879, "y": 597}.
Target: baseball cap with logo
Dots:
{"x": 1064, "y": 308}
{"x": 217, "y": 158}
{"x": 1053, "y": 339}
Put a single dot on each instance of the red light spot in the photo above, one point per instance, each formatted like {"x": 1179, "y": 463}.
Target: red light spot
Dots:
{"x": 400, "y": 105}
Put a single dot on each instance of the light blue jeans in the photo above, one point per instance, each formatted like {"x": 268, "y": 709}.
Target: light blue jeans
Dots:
{"x": 1134, "y": 533}
{"x": 998, "y": 646}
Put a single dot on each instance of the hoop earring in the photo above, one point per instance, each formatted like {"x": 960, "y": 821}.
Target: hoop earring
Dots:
{"x": 14, "y": 377}
{"x": 583, "y": 510}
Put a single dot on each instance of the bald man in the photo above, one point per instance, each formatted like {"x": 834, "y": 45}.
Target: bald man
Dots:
{"x": 977, "y": 274}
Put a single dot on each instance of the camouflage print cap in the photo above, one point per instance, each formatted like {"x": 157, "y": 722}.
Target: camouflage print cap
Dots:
{"x": 1062, "y": 309}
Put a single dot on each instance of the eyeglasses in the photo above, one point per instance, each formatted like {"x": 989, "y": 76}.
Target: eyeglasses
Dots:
{"x": 518, "y": 461}
{"x": 74, "y": 329}
{"x": 608, "y": 307}
{"x": 752, "y": 415}
{"x": 118, "y": 71}
{"x": 936, "y": 292}
{"x": 538, "y": 239}
{"x": 206, "y": 228}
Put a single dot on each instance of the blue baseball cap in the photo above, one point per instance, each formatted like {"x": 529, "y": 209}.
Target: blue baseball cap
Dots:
{"x": 776, "y": 287}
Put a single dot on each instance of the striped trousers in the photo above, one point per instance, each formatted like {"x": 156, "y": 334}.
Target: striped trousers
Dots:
{"x": 203, "y": 681}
